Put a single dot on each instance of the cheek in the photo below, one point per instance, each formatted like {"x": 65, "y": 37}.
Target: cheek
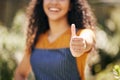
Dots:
{"x": 45, "y": 2}
{"x": 67, "y": 7}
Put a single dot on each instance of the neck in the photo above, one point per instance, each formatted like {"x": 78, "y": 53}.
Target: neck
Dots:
{"x": 57, "y": 27}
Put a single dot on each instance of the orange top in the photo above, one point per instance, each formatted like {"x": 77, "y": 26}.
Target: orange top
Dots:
{"x": 63, "y": 41}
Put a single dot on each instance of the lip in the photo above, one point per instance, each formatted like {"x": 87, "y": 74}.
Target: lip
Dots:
{"x": 53, "y": 9}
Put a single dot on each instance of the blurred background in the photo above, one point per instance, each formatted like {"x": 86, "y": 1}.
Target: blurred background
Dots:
{"x": 12, "y": 38}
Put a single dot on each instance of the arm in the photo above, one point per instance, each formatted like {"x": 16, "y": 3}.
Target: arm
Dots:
{"x": 23, "y": 69}
{"x": 82, "y": 63}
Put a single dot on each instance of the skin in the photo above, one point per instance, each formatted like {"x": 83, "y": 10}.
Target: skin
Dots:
{"x": 56, "y": 11}
{"x": 57, "y": 18}
{"x": 81, "y": 43}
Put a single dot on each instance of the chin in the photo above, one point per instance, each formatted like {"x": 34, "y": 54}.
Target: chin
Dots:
{"x": 56, "y": 17}
{"x": 53, "y": 19}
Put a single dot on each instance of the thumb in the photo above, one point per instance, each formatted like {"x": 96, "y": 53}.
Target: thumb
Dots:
{"x": 73, "y": 30}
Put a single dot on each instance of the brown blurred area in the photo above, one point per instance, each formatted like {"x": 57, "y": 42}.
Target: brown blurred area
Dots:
{"x": 8, "y": 10}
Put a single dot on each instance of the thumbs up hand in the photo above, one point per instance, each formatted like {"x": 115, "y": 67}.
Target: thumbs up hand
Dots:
{"x": 77, "y": 43}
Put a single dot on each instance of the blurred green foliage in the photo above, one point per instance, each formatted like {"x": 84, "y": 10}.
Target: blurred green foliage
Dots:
{"x": 11, "y": 42}
{"x": 116, "y": 72}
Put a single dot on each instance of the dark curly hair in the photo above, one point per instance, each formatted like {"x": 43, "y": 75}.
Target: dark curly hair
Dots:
{"x": 80, "y": 14}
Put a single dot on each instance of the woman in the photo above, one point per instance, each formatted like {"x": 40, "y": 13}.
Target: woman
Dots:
{"x": 60, "y": 35}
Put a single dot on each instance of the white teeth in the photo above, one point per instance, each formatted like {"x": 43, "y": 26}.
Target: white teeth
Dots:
{"x": 54, "y": 9}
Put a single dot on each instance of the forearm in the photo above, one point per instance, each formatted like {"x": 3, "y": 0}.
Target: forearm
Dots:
{"x": 19, "y": 76}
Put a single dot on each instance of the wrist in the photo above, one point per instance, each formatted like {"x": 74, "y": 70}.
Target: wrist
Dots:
{"x": 87, "y": 46}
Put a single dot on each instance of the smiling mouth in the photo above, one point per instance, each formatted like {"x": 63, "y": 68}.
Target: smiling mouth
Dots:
{"x": 54, "y": 9}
